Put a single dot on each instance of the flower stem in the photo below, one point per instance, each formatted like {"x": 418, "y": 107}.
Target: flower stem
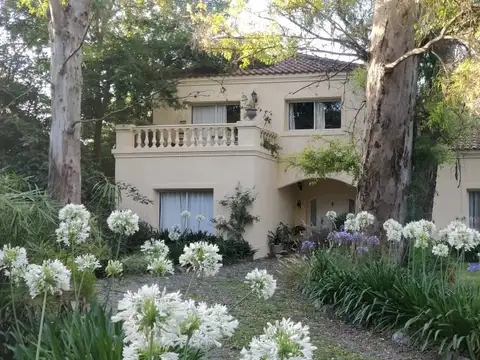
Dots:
{"x": 190, "y": 283}
{"x": 74, "y": 272}
{"x": 185, "y": 349}
{"x": 110, "y": 283}
{"x": 42, "y": 318}
{"x": 77, "y": 296}
{"x": 240, "y": 301}
{"x": 14, "y": 308}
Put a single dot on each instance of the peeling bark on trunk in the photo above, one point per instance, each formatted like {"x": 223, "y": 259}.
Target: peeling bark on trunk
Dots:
{"x": 67, "y": 29}
{"x": 391, "y": 94}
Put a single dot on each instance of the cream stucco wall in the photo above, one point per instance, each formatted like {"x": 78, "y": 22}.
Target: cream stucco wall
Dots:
{"x": 274, "y": 94}
{"x": 451, "y": 199}
{"x": 152, "y": 169}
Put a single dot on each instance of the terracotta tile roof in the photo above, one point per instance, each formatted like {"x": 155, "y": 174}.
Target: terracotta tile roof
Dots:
{"x": 470, "y": 142}
{"x": 300, "y": 64}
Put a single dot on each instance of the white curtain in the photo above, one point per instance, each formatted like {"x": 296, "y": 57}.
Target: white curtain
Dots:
{"x": 172, "y": 204}
{"x": 200, "y": 203}
{"x": 291, "y": 118}
{"x": 221, "y": 114}
{"x": 203, "y": 114}
{"x": 319, "y": 116}
{"x": 474, "y": 209}
{"x": 215, "y": 114}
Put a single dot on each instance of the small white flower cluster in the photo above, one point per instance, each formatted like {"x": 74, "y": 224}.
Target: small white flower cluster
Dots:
{"x": 282, "y": 340}
{"x": 421, "y": 231}
{"x": 201, "y": 257}
{"x": 114, "y": 268}
{"x": 331, "y": 215}
{"x": 170, "y": 322}
{"x": 393, "y": 229}
{"x": 175, "y": 233}
{"x": 200, "y": 218}
{"x": 185, "y": 214}
{"x": 359, "y": 222}
{"x": 459, "y": 236}
{"x": 123, "y": 222}
{"x": 74, "y": 225}
{"x": 440, "y": 250}
{"x": 154, "y": 248}
{"x": 14, "y": 261}
{"x": 156, "y": 252}
{"x": 51, "y": 277}
{"x": 87, "y": 263}
{"x": 261, "y": 283}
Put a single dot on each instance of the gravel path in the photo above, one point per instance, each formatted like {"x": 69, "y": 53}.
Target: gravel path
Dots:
{"x": 335, "y": 340}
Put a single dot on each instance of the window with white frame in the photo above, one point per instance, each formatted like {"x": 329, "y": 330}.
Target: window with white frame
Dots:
{"x": 216, "y": 114}
{"x": 474, "y": 209}
{"x": 315, "y": 115}
{"x": 197, "y": 202}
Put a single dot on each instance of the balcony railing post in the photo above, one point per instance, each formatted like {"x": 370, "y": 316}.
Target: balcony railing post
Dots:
{"x": 124, "y": 138}
{"x": 248, "y": 133}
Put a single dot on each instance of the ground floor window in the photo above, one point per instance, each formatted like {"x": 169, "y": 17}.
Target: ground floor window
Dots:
{"x": 197, "y": 202}
{"x": 474, "y": 209}
{"x": 313, "y": 212}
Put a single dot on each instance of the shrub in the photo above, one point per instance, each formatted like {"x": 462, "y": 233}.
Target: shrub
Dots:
{"x": 382, "y": 295}
{"x": 135, "y": 264}
{"x": 75, "y": 336}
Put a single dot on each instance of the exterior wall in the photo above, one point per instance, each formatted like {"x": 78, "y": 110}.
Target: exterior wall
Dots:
{"x": 274, "y": 93}
{"x": 220, "y": 172}
{"x": 451, "y": 200}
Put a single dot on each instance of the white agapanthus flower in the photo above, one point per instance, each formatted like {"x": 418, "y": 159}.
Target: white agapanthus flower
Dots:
{"x": 282, "y": 340}
{"x": 261, "y": 283}
{"x": 74, "y": 212}
{"x": 114, "y": 268}
{"x": 421, "y": 231}
{"x": 350, "y": 223}
{"x": 13, "y": 256}
{"x": 155, "y": 248}
{"x": 200, "y": 218}
{"x": 393, "y": 229}
{"x": 174, "y": 234}
{"x": 185, "y": 214}
{"x": 331, "y": 215}
{"x": 440, "y": 250}
{"x": 206, "y": 326}
{"x": 364, "y": 219}
{"x": 51, "y": 277}
{"x": 13, "y": 260}
{"x": 459, "y": 236}
{"x": 201, "y": 257}
{"x": 123, "y": 222}
{"x": 74, "y": 230}
{"x": 151, "y": 312}
{"x": 87, "y": 263}
{"x": 161, "y": 266}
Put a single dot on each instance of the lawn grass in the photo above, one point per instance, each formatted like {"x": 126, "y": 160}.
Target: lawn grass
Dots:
{"x": 253, "y": 315}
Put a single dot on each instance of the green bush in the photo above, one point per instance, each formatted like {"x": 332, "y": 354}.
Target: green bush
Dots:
{"x": 75, "y": 336}
{"x": 385, "y": 296}
{"x": 135, "y": 264}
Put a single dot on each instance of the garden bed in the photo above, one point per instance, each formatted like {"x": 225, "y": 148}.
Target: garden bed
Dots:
{"x": 335, "y": 340}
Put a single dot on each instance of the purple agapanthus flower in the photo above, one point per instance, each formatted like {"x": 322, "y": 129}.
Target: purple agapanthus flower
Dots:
{"x": 341, "y": 237}
{"x": 473, "y": 267}
{"x": 373, "y": 240}
{"x": 308, "y": 245}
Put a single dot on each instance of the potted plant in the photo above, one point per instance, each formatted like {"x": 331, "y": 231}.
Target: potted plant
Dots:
{"x": 275, "y": 242}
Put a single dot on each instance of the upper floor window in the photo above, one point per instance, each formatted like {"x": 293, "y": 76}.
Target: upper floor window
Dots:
{"x": 315, "y": 115}
{"x": 216, "y": 114}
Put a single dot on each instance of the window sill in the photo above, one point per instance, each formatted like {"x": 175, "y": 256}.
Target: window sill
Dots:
{"x": 323, "y": 132}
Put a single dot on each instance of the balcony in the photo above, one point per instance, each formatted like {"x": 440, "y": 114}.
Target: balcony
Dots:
{"x": 243, "y": 135}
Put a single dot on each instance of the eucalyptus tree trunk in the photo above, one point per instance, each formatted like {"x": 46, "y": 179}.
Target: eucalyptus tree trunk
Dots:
{"x": 391, "y": 94}
{"x": 68, "y": 26}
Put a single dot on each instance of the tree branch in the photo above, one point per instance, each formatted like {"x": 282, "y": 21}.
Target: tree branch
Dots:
{"x": 426, "y": 47}
{"x": 62, "y": 69}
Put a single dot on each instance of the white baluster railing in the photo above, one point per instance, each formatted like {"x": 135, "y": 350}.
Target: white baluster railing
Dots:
{"x": 242, "y": 135}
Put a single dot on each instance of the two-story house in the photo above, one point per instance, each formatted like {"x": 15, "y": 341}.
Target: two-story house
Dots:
{"x": 191, "y": 158}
